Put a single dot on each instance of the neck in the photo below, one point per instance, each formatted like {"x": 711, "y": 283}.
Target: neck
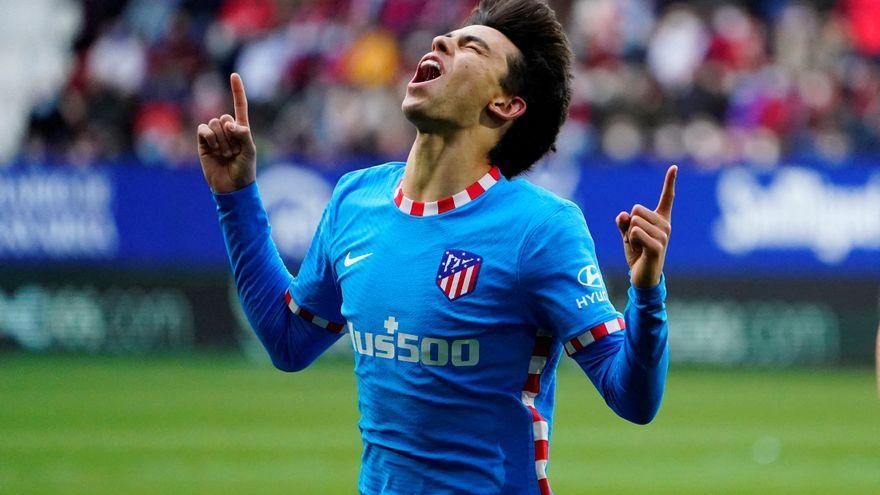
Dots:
{"x": 439, "y": 166}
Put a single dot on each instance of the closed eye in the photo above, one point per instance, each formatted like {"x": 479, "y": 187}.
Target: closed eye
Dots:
{"x": 473, "y": 42}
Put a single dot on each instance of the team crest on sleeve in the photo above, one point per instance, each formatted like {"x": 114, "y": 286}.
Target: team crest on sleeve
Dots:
{"x": 457, "y": 275}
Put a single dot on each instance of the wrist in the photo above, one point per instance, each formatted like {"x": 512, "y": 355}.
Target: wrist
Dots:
{"x": 641, "y": 279}
{"x": 645, "y": 284}
{"x": 231, "y": 187}
{"x": 649, "y": 285}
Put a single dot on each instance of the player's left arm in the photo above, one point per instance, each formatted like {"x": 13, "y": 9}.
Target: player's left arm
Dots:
{"x": 629, "y": 368}
{"x": 625, "y": 356}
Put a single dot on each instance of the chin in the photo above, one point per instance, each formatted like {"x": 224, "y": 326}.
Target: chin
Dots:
{"x": 434, "y": 114}
{"x": 408, "y": 105}
{"x": 419, "y": 114}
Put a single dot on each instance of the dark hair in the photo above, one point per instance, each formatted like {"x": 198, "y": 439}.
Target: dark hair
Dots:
{"x": 541, "y": 76}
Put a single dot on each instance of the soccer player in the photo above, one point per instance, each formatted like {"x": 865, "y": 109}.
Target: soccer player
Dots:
{"x": 459, "y": 285}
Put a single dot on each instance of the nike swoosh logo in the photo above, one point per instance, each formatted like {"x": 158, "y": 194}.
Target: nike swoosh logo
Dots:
{"x": 350, "y": 261}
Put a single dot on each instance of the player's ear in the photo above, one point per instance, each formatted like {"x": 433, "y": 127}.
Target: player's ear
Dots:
{"x": 507, "y": 108}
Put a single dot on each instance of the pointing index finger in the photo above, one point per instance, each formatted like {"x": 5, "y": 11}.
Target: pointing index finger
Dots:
{"x": 664, "y": 206}
{"x": 239, "y": 99}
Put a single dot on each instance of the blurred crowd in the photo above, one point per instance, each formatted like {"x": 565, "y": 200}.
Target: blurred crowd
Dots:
{"x": 704, "y": 83}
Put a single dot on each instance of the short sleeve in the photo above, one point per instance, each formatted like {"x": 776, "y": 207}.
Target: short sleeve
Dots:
{"x": 314, "y": 293}
{"x": 560, "y": 277}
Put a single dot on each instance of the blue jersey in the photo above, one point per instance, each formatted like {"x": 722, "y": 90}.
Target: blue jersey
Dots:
{"x": 458, "y": 312}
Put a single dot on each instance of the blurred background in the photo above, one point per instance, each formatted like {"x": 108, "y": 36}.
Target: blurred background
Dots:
{"x": 126, "y": 365}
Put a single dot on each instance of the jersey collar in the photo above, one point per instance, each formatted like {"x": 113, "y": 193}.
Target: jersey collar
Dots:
{"x": 430, "y": 208}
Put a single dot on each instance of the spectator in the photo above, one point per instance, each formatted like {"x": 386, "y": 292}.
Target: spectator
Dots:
{"x": 713, "y": 84}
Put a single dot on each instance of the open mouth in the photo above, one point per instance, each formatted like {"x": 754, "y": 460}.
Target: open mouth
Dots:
{"x": 428, "y": 70}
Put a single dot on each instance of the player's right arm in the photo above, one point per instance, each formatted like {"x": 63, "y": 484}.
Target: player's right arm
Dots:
{"x": 228, "y": 157}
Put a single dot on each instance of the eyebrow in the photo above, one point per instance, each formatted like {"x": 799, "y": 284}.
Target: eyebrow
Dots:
{"x": 468, "y": 38}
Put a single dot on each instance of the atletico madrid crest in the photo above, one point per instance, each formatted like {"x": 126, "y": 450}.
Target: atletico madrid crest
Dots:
{"x": 457, "y": 275}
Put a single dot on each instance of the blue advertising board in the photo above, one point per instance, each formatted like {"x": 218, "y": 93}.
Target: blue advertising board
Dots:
{"x": 789, "y": 221}
{"x": 741, "y": 222}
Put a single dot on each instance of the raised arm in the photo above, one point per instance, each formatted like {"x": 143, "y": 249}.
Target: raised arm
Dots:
{"x": 629, "y": 368}
{"x": 228, "y": 157}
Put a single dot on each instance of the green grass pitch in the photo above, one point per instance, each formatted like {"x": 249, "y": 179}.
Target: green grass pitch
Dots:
{"x": 218, "y": 424}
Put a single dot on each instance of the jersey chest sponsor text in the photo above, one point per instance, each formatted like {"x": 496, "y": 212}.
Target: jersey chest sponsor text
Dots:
{"x": 410, "y": 348}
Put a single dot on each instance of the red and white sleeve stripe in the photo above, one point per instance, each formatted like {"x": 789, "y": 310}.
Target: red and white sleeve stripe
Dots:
{"x": 540, "y": 428}
{"x": 309, "y": 316}
{"x": 594, "y": 334}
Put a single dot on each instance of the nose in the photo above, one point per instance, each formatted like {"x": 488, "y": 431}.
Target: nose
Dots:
{"x": 441, "y": 44}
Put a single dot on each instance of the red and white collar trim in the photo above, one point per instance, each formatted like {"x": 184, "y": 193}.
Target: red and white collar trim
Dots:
{"x": 429, "y": 208}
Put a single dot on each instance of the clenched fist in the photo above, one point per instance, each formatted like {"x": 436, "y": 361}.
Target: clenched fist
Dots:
{"x": 226, "y": 146}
